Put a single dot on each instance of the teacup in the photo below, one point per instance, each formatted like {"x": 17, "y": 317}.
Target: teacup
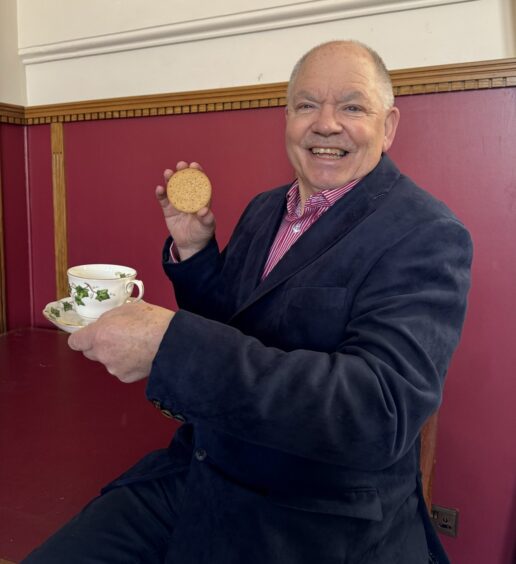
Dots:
{"x": 97, "y": 288}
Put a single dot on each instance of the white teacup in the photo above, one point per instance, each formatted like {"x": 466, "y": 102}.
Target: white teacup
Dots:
{"x": 97, "y": 288}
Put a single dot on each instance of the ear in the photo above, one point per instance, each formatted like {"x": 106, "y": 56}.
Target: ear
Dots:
{"x": 392, "y": 119}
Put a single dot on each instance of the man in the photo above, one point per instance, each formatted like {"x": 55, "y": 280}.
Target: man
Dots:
{"x": 304, "y": 360}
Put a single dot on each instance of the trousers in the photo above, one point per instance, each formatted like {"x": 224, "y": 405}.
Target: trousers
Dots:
{"x": 130, "y": 524}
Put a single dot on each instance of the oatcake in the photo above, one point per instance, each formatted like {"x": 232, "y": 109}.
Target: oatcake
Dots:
{"x": 189, "y": 190}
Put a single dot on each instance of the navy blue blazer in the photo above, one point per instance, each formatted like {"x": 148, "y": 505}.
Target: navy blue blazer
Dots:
{"x": 303, "y": 395}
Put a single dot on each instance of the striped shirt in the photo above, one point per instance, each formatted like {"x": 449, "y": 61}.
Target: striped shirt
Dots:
{"x": 295, "y": 223}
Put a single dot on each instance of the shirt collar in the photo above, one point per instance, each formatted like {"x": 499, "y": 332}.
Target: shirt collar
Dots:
{"x": 322, "y": 199}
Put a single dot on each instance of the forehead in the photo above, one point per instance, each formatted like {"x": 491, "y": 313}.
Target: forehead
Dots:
{"x": 338, "y": 71}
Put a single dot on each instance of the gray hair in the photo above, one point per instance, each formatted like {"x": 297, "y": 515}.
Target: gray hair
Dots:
{"x": 384, "y": 79}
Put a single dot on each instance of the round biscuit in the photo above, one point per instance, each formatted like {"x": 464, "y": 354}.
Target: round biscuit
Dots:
{"x": 189, "y": 190}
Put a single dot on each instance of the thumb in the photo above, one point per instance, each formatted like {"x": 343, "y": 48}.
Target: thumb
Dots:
{"x": 81, "y": 340}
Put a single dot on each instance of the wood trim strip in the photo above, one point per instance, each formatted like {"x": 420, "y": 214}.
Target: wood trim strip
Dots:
{"x": 59, "y": 201}
{"x": 427, "y": 457}
{"x": 222, "y": 99}
{"x": 451, "y": 78}
{"x": 443, "y": 78}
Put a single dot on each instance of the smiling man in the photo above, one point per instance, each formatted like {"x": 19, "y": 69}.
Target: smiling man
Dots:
{"x": 340, "y": 116}
{"x": 303, "y": 361}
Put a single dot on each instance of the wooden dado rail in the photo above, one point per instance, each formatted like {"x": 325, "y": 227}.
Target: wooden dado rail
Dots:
{"x": 424, "y": 80}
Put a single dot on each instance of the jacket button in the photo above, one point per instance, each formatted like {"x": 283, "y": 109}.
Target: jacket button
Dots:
{"x": 166, "y": 413}
{"x": 179, "y": 417}
{"x": 200, "y": 454}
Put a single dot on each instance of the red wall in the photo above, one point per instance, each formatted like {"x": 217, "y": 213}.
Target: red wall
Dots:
{"x": 15, "y": 226}
{"x": 460, "y": 146}
{"x": 39, "y": 170}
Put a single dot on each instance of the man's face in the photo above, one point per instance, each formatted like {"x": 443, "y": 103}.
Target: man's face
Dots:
{"x": 337, "y": 126}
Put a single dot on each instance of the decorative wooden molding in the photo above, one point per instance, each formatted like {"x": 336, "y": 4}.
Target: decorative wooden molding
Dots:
{"x": 283, "y": 16}
{"x": 443, "y": 78}
{"x": 452, "y": 78}
{"x": 59, "y": 201}
{"x": 10, "y": 113}
{"x": 236, "y": 98}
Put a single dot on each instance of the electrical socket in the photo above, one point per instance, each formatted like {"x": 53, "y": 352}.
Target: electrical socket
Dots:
{"x": 445, "y": 520}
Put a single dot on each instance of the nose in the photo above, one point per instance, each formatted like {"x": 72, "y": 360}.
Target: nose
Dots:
{"x": 326, "y": 122}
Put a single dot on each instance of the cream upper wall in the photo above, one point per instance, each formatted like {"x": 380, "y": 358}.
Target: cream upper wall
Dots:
{"x": 12, "y": 71}
{"x": 114, "y": 48}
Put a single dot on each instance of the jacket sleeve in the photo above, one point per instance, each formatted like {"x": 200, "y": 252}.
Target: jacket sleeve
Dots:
{"x": 361, "y": 406}
{"x": 198, "y": 283}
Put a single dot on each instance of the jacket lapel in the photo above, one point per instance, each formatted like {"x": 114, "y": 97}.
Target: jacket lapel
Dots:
{"x": 330, "y": 228}
{"x": 262, "y": 229}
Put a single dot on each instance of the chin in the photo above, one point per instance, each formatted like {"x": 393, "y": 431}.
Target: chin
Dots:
{"x": 330, "y": 183}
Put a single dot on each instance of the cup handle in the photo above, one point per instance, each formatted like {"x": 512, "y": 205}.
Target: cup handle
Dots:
{"x": 129, "y": 289}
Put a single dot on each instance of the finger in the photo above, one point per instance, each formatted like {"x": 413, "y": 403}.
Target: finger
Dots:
{"x": 81, "y": 340}
{"x": 167, "y": 173}
{"x": 168, "y": 209}
{"x": 90, "y": 355}
{"x": 181, "y": 165}
{"x": 208, "y": 221}
{"x": 161, "y": 195}
{"x": 196, "y": 165}
{"x": 205, "y": 215}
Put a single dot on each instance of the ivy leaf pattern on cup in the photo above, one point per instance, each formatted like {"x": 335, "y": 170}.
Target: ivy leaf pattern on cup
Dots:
{"x": 102, "y": 295}
{"x": 67, "y": 306}
{"x": 80, "y": 293}
{"x": 54, "y": 312}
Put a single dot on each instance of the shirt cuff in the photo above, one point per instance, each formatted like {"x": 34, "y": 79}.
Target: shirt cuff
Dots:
{"x": 173, "y": 254}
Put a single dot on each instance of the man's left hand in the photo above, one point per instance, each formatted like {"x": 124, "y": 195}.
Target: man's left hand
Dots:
{"x": 125, "y": 339}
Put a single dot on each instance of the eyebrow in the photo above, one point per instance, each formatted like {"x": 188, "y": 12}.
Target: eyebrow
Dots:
{"x": 346, "y": 97}
{"x": 353, "y": 95}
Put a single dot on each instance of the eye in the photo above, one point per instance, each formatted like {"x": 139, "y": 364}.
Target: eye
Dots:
{"x": 353, "y": 109}
{"x": 304, "y": 106}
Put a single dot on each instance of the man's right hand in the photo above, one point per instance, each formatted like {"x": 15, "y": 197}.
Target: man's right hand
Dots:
{"x": 191, "y": 231}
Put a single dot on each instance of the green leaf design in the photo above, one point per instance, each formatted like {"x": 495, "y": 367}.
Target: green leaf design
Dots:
{"x": 121, "y": 274}
{"x": 67, "y": 306}
{"x": 102, "y": 295}
{"x": 80, "y": 293}
{"x": 55, "y": 312}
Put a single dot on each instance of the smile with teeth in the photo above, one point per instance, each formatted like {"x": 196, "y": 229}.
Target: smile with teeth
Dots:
{"x": 328, "y": 152}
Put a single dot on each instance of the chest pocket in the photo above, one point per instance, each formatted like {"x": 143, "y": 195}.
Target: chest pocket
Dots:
{"x": 313, "y": 318}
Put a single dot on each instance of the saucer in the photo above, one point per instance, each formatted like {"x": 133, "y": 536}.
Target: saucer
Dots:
{"x": 63, "y": 315}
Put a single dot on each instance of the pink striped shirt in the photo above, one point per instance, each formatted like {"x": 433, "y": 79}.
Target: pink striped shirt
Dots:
{"x": 295, "y": 223}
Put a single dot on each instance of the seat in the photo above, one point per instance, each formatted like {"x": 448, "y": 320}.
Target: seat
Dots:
{"x": 427, "y": 457}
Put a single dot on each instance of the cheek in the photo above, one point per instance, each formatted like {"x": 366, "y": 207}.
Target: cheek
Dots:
{"x": 296, "y": 129}
{"x": 291, "y": 136}
{"x": 292, "y": 143}
{"x": 373, "y": 137}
